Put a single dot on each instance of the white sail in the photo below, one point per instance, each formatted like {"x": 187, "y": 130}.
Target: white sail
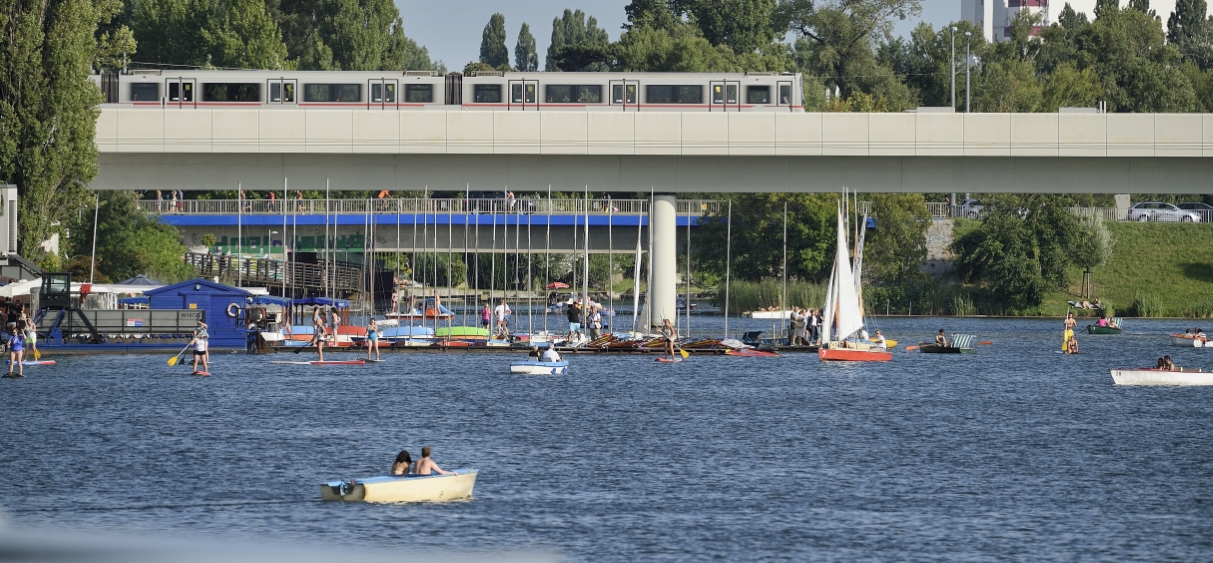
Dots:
{"x": 859, "y": 244}
{"x": 828, "y": 319}
{"x": 850, "y": 316}
{"x": 636, "y": 285}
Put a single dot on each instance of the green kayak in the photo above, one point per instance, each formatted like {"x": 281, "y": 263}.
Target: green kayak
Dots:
{"x": 462, "y": 332}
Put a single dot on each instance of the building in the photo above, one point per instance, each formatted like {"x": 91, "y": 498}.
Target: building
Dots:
{"x": 995, "y": 16}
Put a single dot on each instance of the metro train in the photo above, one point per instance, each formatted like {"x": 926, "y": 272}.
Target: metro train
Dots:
{"x": 427, "y": 90}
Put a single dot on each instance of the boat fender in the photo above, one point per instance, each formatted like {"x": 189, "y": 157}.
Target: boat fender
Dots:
{"x": 233, "y": 309}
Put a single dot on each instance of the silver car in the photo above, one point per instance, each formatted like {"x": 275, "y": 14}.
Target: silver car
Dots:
{"x": 1205, "y": 210}
{"x": 1159, "y": 211}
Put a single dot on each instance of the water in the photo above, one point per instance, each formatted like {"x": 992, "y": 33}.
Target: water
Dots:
{"x": 1014, "y": 453}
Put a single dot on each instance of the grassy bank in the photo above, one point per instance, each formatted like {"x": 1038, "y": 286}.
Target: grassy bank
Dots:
{"x": 1157, "y": 269}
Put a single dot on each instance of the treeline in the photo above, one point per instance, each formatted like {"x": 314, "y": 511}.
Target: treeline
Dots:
{"x": 262, "y": 34}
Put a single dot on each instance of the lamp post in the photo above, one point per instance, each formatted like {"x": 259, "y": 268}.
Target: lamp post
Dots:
{"x": 953, "y": 63}
{"x": 968, "y": 60}
{"x": 269, "y": 247}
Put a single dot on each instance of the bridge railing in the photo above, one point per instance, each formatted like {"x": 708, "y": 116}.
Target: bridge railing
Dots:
{"x": 404, "y": 206}
{"x": 943, "y": 210}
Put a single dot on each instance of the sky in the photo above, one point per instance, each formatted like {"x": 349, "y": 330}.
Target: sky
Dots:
{"x": 451, "y": 31}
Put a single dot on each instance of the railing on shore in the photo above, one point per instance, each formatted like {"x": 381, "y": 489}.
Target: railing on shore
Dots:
{"x": 257, "y": 271}
{"x": 408, "y": 206}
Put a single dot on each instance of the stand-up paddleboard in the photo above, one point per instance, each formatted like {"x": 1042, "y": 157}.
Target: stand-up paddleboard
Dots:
{"x": 669, "y": 361}
{"x": 33, "y": 363}
{"x": 326, "y": 363}
{"x": 201, "y": 373}
{"x": 12, "y": 375}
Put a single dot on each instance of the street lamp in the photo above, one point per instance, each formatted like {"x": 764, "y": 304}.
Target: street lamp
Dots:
{"x": 953, "y": 62}
{"x": 968, "y": 59}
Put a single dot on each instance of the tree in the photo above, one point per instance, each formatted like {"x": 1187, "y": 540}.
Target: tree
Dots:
{"x": 1093, "y": 249}
{"x": 573, "y": 29}
{"x": 169, "y": 31}
{"x": 129, "y": 242}
{"x": 898, "y": 245}
{"x": 1105, "y": 7}
{"x": 1138, "y": 70}
{"x": 1067, "y": 86}
{"x": 48, "y": 112}
{"x": 1142, "y": 6}
{"x": 757, "y": 248}
{"x": 526, "y": 58}
{"x": 242, "y": 34}
{"x": 1009, "y": 86}
{"x": 744, "y": 25}
{"x": 492, "y": 42}
{"x": 656, "y": 14}
{"x": 843, "y": 32}
{"x": 348, "y": 35}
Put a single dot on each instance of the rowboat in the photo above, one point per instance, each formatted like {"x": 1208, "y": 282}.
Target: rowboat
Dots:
{"x": 539, "y": 368}
{"x": 403, "y": 488}
{"x": 1096, "y": 329}
{"x": 1189, "y": 341}
{"x": 767, "y": 314}
{"x": 1151, "y": 376}
{"x": 961, "y": 344}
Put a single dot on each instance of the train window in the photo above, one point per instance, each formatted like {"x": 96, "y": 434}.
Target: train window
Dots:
{"x": 589, "y": 94}
{"x": 785, "y": 94}
{"x": 487, "y": 94}
{"x": 332, "y": 93}
{"x": 674, "y": 94}
{"x": 145, "y": 92}
{"x": 277, "y": 90}
{"x": 186, "y": 92}
{"x": 419, "y": 93}
{"x": 379, "y": 90}
{"x": 225, "y": 92}
{"x": 758, "y": 95}
{"x": 720, "y": 93}
{"x": 622, "y": 95}
{"x": 520, "y": 92}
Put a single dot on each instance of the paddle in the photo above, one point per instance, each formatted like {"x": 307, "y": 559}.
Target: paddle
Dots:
{"x": 683, "y": 353}
{"x": 37, "y": 354}
{"x": 985, "y": 343}
{"x": 173, "y": 360}
{"x": 909, "y": 348}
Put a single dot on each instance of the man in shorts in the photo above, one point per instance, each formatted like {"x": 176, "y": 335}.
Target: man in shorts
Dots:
{"x": 574, "y": 316}
{"x": 502, "y": 313}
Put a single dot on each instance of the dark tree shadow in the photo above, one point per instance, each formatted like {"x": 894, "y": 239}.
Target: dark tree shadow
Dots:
{"x": 1198, "y": 272}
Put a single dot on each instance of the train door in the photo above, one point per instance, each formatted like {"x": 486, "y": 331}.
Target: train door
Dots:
{"x": 725, "y": 95}
{"x": 783, "y": 94}
{"x": 524, "y": 95}
{"x": 625, "y": 94}
{"x": 384, "y": 93}
{"x": 281, "y": 91}
{"x": 180, "y": 92}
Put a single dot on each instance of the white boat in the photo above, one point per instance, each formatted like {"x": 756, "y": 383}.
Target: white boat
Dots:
{"x": 539, "y": 368}
{"x": 1150, "y": 376}
{"x": 1189, "y": 341}
{"x": 403, "y": 488}
{"x": 767, "y": 314}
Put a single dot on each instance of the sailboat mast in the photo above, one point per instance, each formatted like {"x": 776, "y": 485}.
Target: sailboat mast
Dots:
{"x": 728, "y": 260}
{"x": 783, "y": 299}
{"x": 585, "y": 280}
{"x": 239, "y": 235}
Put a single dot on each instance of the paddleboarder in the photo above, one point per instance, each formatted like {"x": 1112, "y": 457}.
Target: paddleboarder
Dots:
{"x": 1069, "y": 324}
{"x": 319, "y": 329}
{"x": 372, "y": 339}
{"x": 31, "y": 334}
{"x": 15, "y": 350}
{"x": 667, "y": 333}
{"x": 200, "y": 352}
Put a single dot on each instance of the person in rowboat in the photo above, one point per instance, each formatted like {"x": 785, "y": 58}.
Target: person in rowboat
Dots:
{"x": 15, "y": 350}
{"x": 372, "y": 339}
{"x": 1167, "y": 364}
{"x": 403, "y": 464}
{"x": 1069, "y": 324}
{"x": 551, "y": 355}
{"x": 667, "y": 333}
{"x": 535, "y": 353}
{"x": 941, "y": 339}
{"x": 879, "y": 341}
{"x": 425, "y": 464}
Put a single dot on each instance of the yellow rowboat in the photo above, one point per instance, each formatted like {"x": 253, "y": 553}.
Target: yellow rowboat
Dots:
{"x": 403, "y": 488}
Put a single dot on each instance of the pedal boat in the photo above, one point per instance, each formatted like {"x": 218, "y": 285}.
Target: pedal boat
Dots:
{"x": 403, "y": 488}
{"x": 539, "y": 368}
{"x": 1152, "y": 376}
{"x": 1189, "y": 341}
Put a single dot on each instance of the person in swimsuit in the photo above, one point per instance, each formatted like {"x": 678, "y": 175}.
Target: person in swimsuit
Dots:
{"x": 31, "y": 333}
{"x": 667, "y": 333}
{"x": 403, "y": 464}
{"x": 425, "y": 465}
{"x": 201, "y": 361}
{"x": 319, "y": 330}
{"x": 372, "y": 339}
{"x": 941, "y": 339}
{"x": 1069, "y": 333}
{"x": 16, "y": 349}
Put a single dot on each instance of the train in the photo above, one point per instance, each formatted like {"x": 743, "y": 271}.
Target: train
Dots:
{"x": 428, "y": 90}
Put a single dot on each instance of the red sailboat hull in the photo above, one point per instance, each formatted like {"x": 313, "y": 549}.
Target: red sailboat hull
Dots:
{"x": 853, "y": 355}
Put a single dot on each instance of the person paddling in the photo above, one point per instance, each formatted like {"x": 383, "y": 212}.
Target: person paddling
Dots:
{"x": 668, "y": 334}
{"x": 372, "y": 339}
{"x": 16, "y": 349}
{"x": 1069, "y": 332}
{"x": 319, "y": 328}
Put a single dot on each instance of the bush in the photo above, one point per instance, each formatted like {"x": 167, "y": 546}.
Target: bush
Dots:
{"x": 751, "y": 296}
{"x": 1145, "y": 305}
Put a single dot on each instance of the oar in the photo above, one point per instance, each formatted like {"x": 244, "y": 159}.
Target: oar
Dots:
{"x": 173, "y": 360}
{"x": 909, "y": 348}
{"x": 985, "y": 343}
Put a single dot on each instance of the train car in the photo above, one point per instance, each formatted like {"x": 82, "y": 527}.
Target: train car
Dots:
{"x": 427, "y": 90}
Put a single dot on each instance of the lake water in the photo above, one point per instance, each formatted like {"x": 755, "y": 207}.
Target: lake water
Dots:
{"x": 1016, "y": 452}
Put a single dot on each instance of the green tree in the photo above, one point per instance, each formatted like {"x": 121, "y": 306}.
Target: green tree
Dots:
{"x": 48, "y": 110}
{"x": 242, "y": 34}
{"x": 656, "y": 14}
{"x": 1186, "y": 21}
{"x": 1093, "y": 248}
{"x": 744, "y": 25}
{"x": 1067, "y": 86}
{"x": 1142, "y": 6}
{"x": 757, "y": 248}
{"x": 526, "y": 57}
{"x": 842, "y": 32}
{"x": 348, "y": 35}
{"x": 1105, "y": 7}
{"x": 129, "y": 242}
{"x": 573, "y": 29}
{"x": 898, "y": 245}
{"x": 1138, "y": 70}
{"x": 169, "y": 31}
{"x": 1008, "y": 86}
{"x": 492, "y": 42}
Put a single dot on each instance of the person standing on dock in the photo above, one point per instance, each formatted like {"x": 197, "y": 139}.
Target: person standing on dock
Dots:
{"x": 595, "y": 321}
{"x": 813, "y": 325}
{"x": 574, "y": 315}
{"x": 502, "y": 312}
{"x": 485, "y": 317}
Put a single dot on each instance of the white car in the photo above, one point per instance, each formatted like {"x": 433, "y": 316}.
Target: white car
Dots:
{"x": 969, "y": 208}
{"x": 1158, "y": 211}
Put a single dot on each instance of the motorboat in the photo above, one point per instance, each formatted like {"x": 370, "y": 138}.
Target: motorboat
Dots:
{"x": 1189, "y": 341}
{"x": 1153, "y": 376}
{"x": 403, "y": 488}
{"x": 539, "y": 368}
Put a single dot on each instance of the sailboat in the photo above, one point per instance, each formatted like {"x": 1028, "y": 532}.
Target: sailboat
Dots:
{"x": 844, "y": 313}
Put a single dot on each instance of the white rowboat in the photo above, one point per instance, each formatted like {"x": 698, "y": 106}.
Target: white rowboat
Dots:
{"x": 767, "y": 314}
{"x": 1182, "y": 341}
{"x": 403, "y": 488}
{"x": 539, "y": 368}
{"x": 1149, "y": 376}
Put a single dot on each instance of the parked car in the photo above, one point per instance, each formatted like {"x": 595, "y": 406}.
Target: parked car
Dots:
{"x": 969, "y": 208}
{"x": 1159, "y": 211}
{"x": 1205, "y": 210}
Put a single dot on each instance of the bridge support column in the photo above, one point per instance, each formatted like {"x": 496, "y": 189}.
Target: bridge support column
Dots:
{"x": 663, "y": 230}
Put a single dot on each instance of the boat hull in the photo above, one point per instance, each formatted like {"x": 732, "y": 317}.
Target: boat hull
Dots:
{"x": 1092, "y": 329}
{"x": 1181, "y": 341}
{"x": 933, "y": 349}
{"x": 539, "y": 368}
{"x": 402, "y": 488}
{"x": 768, "y": 314}
{"x": 854, "y": 354}
{"x": 1130, "y": 376}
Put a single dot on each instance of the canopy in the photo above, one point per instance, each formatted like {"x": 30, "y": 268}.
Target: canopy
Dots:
{"x": 271, "y": 300}
{"x": 135, "y": 300}
{"x": 323, "y": 302}
{"x": 20, "y": 288}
